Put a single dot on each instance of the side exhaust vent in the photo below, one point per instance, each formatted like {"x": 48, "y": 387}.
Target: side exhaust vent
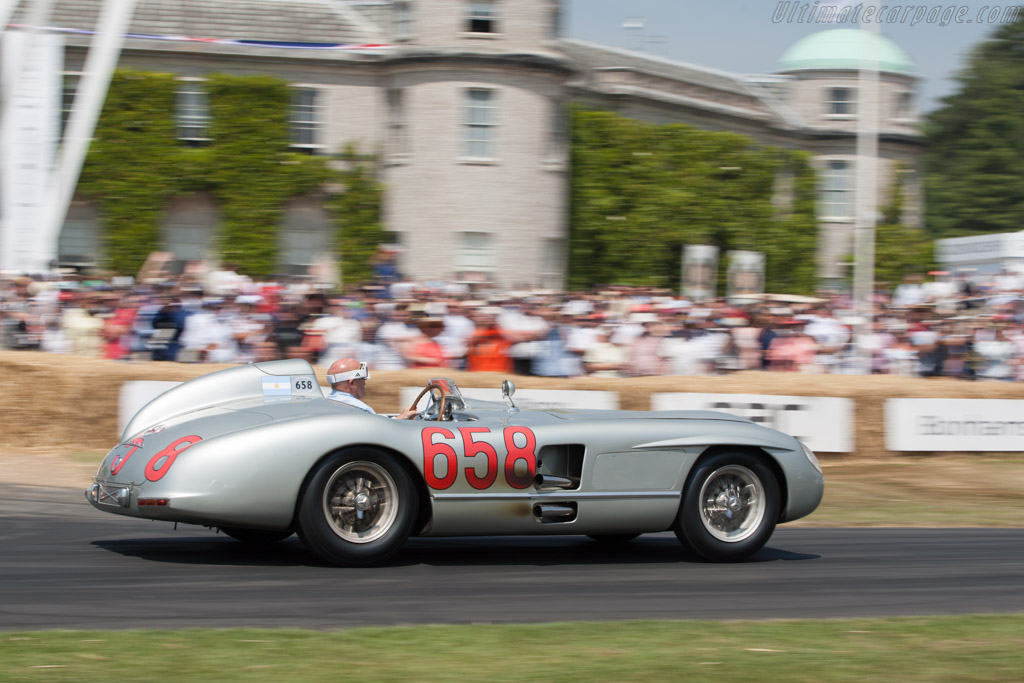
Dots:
{"x": 550, "y": 481}
{"x": 554, "y": 513}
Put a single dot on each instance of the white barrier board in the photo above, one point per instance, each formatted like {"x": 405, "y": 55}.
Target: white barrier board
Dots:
{"x": 954, "y": 424}
{"x": 533, "y": 399}
{"x": 134, "y": 395}
{"x": 824, "y": 424}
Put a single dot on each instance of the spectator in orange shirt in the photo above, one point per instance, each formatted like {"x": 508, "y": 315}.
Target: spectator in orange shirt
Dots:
{"x": 487, "y": 348}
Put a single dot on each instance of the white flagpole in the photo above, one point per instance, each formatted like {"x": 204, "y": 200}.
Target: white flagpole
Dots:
{"x": 866, "y": 185}
{"x": 100, "y": 62}
{"x": 38, "y": 14}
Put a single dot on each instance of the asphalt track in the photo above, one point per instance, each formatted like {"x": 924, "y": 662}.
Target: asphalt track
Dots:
{"x": 65, "y": 565}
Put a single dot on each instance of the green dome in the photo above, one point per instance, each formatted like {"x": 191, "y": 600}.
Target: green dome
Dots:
{"x": 841, "y": 48}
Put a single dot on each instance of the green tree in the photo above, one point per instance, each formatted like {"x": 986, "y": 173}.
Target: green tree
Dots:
{"x": 357, "y": 212}
{"x": 899, "y": 249}
{"x": 136, "y": 164}
{"x": 641, "y": 191}
{"x": 129, "y": 170}
{"x": 975, "y": 159}
{"x": 251, "y": 169}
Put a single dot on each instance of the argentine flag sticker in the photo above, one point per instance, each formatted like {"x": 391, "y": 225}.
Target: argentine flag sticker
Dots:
{"x": 278, "y": 387}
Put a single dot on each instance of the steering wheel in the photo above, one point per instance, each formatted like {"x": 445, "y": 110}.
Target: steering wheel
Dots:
{"x": 432, "y": 388}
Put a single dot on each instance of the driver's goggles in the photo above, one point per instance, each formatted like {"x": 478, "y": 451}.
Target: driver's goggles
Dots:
{"x": 362, "y": 372}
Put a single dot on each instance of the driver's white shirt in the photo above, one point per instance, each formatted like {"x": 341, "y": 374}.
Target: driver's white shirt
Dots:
{"x": 349, "y": 400}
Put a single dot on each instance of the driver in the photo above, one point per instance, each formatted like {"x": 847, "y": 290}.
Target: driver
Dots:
{"x": 347, "y": 378}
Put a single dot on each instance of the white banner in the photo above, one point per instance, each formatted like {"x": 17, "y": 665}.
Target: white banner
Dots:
{"x": 746, "y": 273}
{"x": 700, "y": 271}
{"x": 824, "y": 424}
{"x": 960, "y": 250}
{"x": 954, "y": 424}
{"x": 31, "y": 126}
{"x": 534, "y": 399}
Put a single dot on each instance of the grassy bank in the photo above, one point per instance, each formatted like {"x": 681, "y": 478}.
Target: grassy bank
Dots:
{"x": 948, "y": 491}
{"x": 970, "y": 648}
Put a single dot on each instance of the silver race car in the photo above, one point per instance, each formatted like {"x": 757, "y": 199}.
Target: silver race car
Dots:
{"x": 258, "y": 452}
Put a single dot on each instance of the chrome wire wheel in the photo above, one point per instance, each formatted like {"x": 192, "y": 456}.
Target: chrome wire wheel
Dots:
{"x": 360, "y": 501}
{"x": 732, "y": 503}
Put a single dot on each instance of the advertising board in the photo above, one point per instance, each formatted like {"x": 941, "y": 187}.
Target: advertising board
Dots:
{"x": 954, "y": 424}
{"x": 824, "y": 424}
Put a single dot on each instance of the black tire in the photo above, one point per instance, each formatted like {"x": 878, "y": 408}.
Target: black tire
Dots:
{"x": 730, "y": 507}
{"x": 256, "y": 536}
{"x": 612, "y": 539}
{"x": 358, "y": 508}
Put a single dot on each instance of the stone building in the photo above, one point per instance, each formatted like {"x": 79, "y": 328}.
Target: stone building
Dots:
{"x": 465, "y": 101}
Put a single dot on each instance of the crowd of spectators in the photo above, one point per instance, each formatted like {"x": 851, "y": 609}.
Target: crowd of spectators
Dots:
{"x": 923, "y": 327}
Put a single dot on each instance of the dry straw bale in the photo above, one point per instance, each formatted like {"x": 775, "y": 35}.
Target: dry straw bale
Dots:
{"x": 58, "y": 403}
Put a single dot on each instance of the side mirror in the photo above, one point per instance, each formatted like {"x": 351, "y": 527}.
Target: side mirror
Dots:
{"x": 507, "y": 389}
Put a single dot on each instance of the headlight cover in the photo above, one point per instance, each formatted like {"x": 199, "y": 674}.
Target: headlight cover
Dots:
{"x": 811, "y": 457}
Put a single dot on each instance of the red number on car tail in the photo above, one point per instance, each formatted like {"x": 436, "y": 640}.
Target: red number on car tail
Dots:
{"x": 160, "y": 463}
{"x": 119, "y": 460}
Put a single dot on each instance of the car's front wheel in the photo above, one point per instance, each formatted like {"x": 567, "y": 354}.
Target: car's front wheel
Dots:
{"x": 730, "y": 507}
{"x": 358, "y": 508}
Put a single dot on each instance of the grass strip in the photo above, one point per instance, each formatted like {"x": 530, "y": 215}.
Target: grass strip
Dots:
{"x": 968, "y": 490}
{"x": 960, "y": 648}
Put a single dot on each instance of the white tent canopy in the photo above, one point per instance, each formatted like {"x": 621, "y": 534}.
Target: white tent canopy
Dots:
{"x": 982, "y": 254}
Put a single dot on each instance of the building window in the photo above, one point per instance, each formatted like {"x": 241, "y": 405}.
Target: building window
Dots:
{"x": 903, "y": 105}
{"x": 480, "y": 123}
{"x": 398, "y": 141}
{"x": 482, "y": 17}
{"x": 188, "y": 229}
{"x": 840, "y": 102}
{"x": 79, "y": 240}
{"x": 475, "y": 253}
{"x": 67, "y": 102}
{"x": 837, "y": 189}
{"x": 553, "y": 263}
{"x": 304, "y": 237}
{"x": 193, "y": 112}
{"x": 401, "y": 19}
{"x": 559, "y": 130}
{"x": 305, "y": 119}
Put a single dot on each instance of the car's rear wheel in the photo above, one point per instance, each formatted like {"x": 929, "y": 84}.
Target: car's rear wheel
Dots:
{"x": 730, "y": 507}
{"x": 256, "y": 536}
{"x": 358, "y": 508}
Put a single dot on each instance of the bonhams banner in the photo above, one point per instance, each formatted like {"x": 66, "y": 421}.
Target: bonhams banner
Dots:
{"x": 954, "y": 424}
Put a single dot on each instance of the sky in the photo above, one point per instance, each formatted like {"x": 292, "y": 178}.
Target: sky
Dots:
{"x": 749, "y": 36}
